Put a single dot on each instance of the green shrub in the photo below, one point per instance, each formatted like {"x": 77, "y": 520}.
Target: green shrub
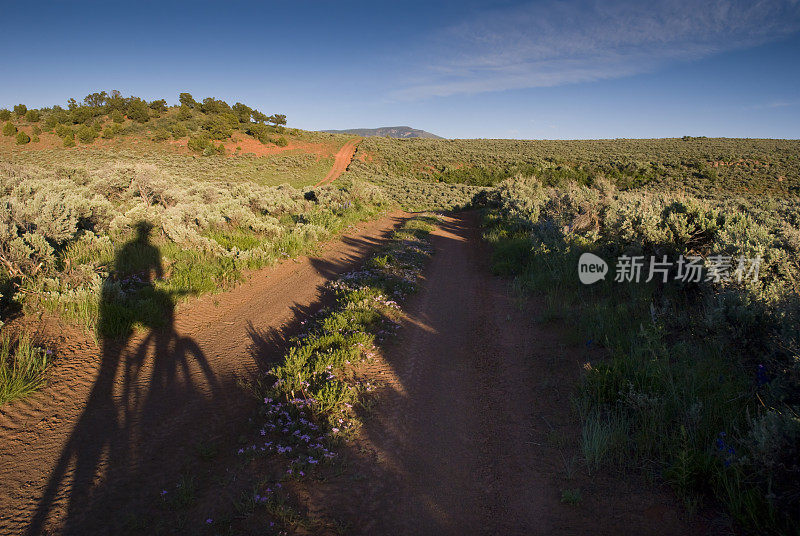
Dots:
{"x": 260, "y": 132}
{"x": 83, "y": 114}
{"x": 5, "y": 114}
{"x": 138, "y": 110}
{"x": 69, "y": 141}
{"x": 36, "y": 130}
{"x": 86, "y": 134}
{"x": 32, "y": 116}
{"x": 35, "y": 138}
{"x": 63, "y": 131}
{"x": 179, "y": 131}
{"x": 220, "y": 126}
{"x": 184, "y": 113}
{"x": 187, "y": 100}
{"x": 117, "y": 116}
{"x": 22, "y": 138}
{"x": 110, "y": 131}
{"x": 50, "y": 122}
{"x": 700, "y": 379}
{"x": 22, "y": 367}
{"x": 281, "y": 142}
{"x": 160, "y": 134}
{"x": 198, "y": 143}
{"x": 159, "y": 106}
{"x": 9, "y": 129}
{"x": 20, "y": 110}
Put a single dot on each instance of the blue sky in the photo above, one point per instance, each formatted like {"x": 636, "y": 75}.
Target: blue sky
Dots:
{"x": 495, "y": 69}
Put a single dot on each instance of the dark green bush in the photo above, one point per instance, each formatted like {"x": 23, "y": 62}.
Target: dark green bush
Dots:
{"x": 110, "y": 131}
{"x": 69, "y": 141}
{"x": 5, "y": 115}
{"x": 83, "y": 114}
{"x": 20, "y": 110}
{"x": 159, "y": 106}
{"x": 260, "y": 132}
{"x": 9, "y": 129}
{"x": 50, "y": 122}
{"x": 22, "y": 138}
{"x": 138, "y": 110}
{"x": 179, "y": 131}
{"x": 117, "y": 116}
{"x": 184, "y": 113}
{"x": 32, "y": 116}
{"x": 220, "y": 126}
{"x": 63, "y": 131}
{"x": 160, "y": 134}
{"x": 86, "y": 134}
{"x": 203, "y": 144}
{"x": 281, "y": 142}
{"x": 210, "y": 105}
{"x": 187, "y": 100}
{"x": 243, "y": 112}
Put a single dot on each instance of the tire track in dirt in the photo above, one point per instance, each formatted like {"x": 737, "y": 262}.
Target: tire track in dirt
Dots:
{"x": 474, "y": 433}
{"x": 343, "y": 159}
{"x": 118, "y": 422}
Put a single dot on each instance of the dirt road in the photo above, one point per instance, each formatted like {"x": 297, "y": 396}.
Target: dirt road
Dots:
{"x": 473, "y": 431}
{"x": 116, "y": 422}
{"x": 343, "y": 159}
{"x": 475, "y": 434}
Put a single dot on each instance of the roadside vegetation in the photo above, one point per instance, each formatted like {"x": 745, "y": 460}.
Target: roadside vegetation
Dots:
{"x": 63, "y": 232}
{"x": 702, "y": 384}
{"x": 314, "y": 398}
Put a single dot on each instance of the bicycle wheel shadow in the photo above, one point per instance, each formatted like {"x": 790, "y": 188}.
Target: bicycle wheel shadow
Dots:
{"x": 138, "y": 401}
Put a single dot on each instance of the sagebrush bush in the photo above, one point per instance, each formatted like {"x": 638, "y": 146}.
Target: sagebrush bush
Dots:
{"x": 702, "y": 378}
{"x": 59, "y": 229}
{"x": 32, "y": 116}
{"x": 22, "y": 138}
{"x": 9, "y": 129}
{"x": 5, "y": 114}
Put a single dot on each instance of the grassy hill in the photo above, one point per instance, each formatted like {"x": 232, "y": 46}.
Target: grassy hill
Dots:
{"x": 208, "y": 139}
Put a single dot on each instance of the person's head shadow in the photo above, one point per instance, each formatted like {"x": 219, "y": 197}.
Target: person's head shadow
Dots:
{"x": 130, "y": 296}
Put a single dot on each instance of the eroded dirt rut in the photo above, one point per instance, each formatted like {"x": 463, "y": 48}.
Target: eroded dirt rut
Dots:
{"x": 474, "y": 433}
{"x": 341, "y": 161}
{"x": 118, "y": 420}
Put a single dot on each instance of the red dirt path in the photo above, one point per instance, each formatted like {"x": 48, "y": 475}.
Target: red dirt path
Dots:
{"x": 118, "y": 421}
{"x": 343, "y": 159}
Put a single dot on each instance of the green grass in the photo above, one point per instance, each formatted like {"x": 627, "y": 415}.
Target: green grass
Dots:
{"x": 22, "y": 367}
{"x": 697, "y": 384}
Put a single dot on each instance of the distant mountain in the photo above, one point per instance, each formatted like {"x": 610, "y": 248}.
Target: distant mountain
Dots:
{"x": 390, "y": 132}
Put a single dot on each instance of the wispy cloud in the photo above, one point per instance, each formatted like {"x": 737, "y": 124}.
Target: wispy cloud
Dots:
{"x": 773, "y": 104}
{"x": 553, "y": 43}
